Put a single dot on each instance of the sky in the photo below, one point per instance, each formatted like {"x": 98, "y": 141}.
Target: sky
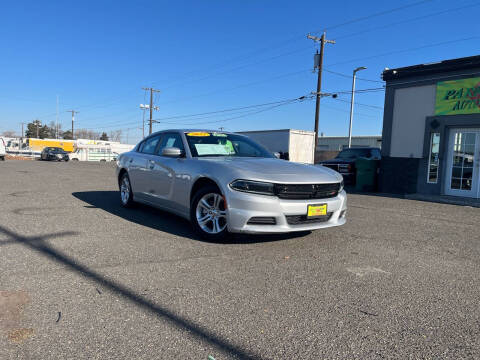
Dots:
{"x": 212, "y": 55}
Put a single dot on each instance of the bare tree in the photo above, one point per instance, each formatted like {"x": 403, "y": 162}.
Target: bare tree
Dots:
{"x": 115, "y": 135}
{"x": 9, "y": 133}
{"x": 86, "y": 134}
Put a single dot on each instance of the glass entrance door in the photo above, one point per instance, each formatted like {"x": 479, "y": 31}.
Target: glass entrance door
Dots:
{"x": 463, "y": 163}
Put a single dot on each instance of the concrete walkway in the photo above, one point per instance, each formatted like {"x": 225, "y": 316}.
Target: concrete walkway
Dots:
{"x": 445, "y": 199}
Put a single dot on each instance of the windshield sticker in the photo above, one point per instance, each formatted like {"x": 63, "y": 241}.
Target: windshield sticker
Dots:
{"x": 198, "y": 134}
{"x": 212, "y": 149}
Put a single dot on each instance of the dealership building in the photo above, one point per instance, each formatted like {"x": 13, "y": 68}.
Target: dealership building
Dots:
{"x": 431, "y": 129}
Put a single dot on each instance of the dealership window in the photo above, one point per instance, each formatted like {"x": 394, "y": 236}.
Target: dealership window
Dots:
{"x": 433, "y": 158}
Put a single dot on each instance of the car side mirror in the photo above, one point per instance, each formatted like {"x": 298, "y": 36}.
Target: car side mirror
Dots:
{"x": 277, "y": 155}
{"x": 172, "y": 152}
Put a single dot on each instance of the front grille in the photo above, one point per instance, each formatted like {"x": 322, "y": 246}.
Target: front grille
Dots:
{"x": 262, "y": 220}
{"x": 302, "y": 219}
{"x": 306, "y": 191}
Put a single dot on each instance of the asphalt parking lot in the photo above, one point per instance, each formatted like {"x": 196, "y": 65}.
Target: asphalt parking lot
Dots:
{"x": 83, "y": 278}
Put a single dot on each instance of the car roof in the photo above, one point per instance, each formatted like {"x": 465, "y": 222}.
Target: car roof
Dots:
{"x": 194, "y": 130}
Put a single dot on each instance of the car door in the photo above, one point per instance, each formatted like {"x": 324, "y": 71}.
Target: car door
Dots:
{"x": 138, "y": 166}
{"x": 162, "y": 171}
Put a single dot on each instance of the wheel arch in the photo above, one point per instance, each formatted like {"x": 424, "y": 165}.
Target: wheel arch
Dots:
{"x": 120, "y": 174}
{"x": 201, "y": 182}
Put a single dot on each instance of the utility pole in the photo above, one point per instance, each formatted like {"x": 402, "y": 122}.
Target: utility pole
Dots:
{"x": 73, "y": 119}
{"x": 56, "y": 122}
{"x": 20, "y": 143}
{"x": 152, "y": 90}
{"x": 319, "y": 67}
{"x": 37, "y": 122}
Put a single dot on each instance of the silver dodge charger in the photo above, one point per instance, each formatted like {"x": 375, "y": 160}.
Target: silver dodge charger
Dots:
{"x": 225, "y": 182}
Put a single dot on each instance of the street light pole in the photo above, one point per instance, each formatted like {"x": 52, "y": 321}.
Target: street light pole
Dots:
{"x": 351, "y": 104}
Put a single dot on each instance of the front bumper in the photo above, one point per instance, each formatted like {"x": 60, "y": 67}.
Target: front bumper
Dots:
{"x": 244, "y": 206}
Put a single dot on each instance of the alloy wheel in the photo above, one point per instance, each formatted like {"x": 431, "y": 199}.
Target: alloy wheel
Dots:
{"x": 210, "y": 213}
{"x": 125, "y": 190}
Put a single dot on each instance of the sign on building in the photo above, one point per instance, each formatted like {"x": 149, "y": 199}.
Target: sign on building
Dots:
{"x": 458, "y": 97}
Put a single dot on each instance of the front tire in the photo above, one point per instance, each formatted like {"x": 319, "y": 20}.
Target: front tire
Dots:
{"x": 126, "y": 194}
{"x": 208, "y": 214}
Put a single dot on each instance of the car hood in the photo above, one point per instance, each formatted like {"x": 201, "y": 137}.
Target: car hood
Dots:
{"x": 273, "y": 170}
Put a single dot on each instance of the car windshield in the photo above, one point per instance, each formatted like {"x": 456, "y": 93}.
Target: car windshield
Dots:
{"x": 220, "y": 144}
{"x": 57, "y": 150}
{"x": 353, "y": 153}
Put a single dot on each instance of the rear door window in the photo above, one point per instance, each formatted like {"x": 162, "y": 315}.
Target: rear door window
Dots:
{"x": 149, "y": 145}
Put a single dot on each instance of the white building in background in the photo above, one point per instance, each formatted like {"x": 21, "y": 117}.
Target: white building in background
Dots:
{"x": 337, "y": 143}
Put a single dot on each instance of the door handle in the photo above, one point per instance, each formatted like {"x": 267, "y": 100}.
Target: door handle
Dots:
{"x": 131, "y": 160}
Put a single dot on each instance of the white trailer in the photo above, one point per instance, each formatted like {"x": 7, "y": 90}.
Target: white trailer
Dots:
{"x": 293, "y": 145}
{"x": 116, "y": 146}
{"x": 93, "y": 153}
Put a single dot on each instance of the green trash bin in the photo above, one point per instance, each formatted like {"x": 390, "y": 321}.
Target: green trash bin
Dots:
{"x": 366, "y": 177}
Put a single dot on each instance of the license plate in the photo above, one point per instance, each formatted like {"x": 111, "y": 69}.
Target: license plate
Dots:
{"x": 316, "y": 210}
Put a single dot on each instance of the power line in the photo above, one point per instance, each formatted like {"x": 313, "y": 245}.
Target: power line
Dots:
{"x": 277, "y": 104}
{"x": 224, "y": 110}
{"x": 347, "y": 111}
{"x": 441, "y": 77}
{"x": 240, "y": 67}
{"x": 377, "y": 89}
{"x": 357, "y": 103}
{"x": 302, "y": 98}
{"x": 447, "y": 11}
{"x": 237, "y": 87}
{"x": 294, "y": 38}
{"x": 405, "y": 50}
{"x": 381, "y": 13}
{"x": 252, "y": 54}
{"x": 350, "y": 76}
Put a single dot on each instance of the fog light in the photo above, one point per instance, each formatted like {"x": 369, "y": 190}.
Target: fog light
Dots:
{"x": 343, "y": 213}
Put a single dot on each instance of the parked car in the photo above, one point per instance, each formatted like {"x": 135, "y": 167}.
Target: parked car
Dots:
{"x": 224, "y": 182}
{"x": 3, "y": 150}
{"x": 344, "y": 163}
{"x": 54, "y": 153}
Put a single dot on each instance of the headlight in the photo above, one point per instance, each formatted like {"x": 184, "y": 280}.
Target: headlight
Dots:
{"x": 342, "y": 185}
{"x": 255, "y": 187}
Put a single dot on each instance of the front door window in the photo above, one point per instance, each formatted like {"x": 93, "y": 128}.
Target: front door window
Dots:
{"x": 463, "y": 156}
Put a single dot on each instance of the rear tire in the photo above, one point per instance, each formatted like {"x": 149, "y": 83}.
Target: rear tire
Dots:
{"x": 208, "y": 214}
{"x": 126, "y": 194}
